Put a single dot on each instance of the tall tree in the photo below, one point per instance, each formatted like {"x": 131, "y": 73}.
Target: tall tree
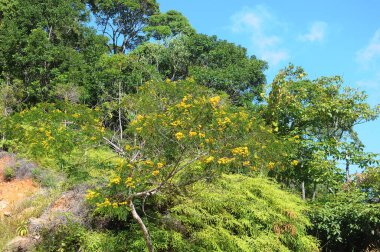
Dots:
{"x": 123, "y": 21}
{"x": 169, "y": 24}
{"x": 214, "y": 63}
{"x": 45, "y": 43}
{"x": 321, "y": 113}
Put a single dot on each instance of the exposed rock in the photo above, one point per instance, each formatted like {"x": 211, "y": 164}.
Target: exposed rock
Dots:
{"x": 20, "y": 244}
{"x": 3, "y": 204}
{"x": 69, "y": 206}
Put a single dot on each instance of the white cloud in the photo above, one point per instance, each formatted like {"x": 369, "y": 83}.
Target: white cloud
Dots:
{"x": 257, "y": 23}
{"x": 371, "y": 52}
{"x": 372, "y": 87}
{"x": 274, "y": 57}
{"x": 317, "y": 32}
{"x": 371, "y": 83}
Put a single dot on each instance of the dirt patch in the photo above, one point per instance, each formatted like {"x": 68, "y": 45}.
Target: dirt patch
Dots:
{"x": 14, "y": 191}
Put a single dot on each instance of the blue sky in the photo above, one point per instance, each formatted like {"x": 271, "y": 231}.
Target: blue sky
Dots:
{"x": 324, "y": 37}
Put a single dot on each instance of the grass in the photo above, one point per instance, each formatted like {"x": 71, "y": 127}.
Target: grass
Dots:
{"x": 32, "y": 207}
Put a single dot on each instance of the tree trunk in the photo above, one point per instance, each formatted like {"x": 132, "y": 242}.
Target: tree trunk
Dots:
{"x": 347, "y": 169}
{"x": 314, "y": 191}
{"x": 120, "y": 122}
{"x": 303, "y": 190}
{"x": 137, "y": 218}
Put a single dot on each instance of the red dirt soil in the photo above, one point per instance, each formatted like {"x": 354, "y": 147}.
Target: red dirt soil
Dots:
{"x": 14, "y": 191}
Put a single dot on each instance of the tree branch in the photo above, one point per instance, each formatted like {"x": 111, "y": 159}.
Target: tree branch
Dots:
{"x": 145, "y": 231}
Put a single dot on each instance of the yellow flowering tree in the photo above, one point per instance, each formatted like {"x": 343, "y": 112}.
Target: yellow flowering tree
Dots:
{"x": 52, "y": 130}
{"x": 173, "y": 126}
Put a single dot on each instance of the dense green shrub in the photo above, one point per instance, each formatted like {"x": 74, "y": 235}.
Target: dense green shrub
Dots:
{"x": 53, "y": 133}
{"x": 9, "y": 174}
{"x": 233, "y": 213}
{"x": 346, "y": 222}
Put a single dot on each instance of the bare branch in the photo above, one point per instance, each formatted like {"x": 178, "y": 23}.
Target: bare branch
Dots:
{"x": 115, "y": 147}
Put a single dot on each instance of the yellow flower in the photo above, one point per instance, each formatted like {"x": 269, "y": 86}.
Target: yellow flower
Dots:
{"x": 223, "y": 122}
{"x": 139, "y": 117}
{"x": 149, "y": 163}
{"x": 129, "y": 182}
{"x": 160, "y": 165}
{"x": 91, "y": 194}
{"x": 48, "y": 135}
{"x": 155, "y": 172}
{"x": 128, "y": 147}
{"x": 242, "y": 151}
{"x": 115, "y": 205}
{"x": 202, "y": 135}
{"x": 209, "y": 140}
{"x": 93, "y": 138}
{"x": 225, "y": 160}
{"x": 294, "y": 162}
{"x": 271, "y": 165}
{"x": 192, "y": 133}
{"x": 76, "y": 115}
{"x": 138, "y": 130}
{"x": 45, "y": 144}
{"x": 104, "y": 204}
{"x": 179, "y": 135}
{"x": 209, "y": 159}
{"x": 167, "y": 80}
{"x": 246, "y": 163}
{"x": 214, "y": 101}
{"x": 115, "y": 180}
{"x": 176, "y": 123}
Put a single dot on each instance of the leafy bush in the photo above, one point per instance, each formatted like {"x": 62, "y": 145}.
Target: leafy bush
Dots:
{"x": 9, "y": 174}
{"x": 74, "y": 237}
{"x": 232, "y": 213}
{"x": 238, "y": 213}
{"x": 54, "y": 135}
{"x": 346, "y": 222}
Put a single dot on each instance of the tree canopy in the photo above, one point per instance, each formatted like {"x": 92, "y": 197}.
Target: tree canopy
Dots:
{"x": 178, "y": 137}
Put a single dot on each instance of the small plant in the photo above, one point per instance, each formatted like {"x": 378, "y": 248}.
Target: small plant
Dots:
{"x": 22, "y": 230}
{"x": 9, "y": 174}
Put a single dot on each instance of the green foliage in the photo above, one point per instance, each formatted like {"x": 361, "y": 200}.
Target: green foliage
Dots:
{"x": 169, "y": 132}
{"x": 60, "y": 130}
{"x": 46, "y": 177}
{"x": 346, "y": 221}
{"x": 22, "y": 229}
{"x": 9, "y": 173}
{"x": 222, "y": 65}
{"x": 75, "y": 237}
{"x": 168, "y": 24}
{"x": 119, "y": 75}
{"x": 233, "y": 213}
{"x": 322, "y": 115}
{"x": 214, "y": 63}
{"x": 369, "y": 181}
{"x": 178, "y": 138}
{"x": 238, "y": 213}
{"x": 122, "y": 21}
{"x": 45, "y": 44}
